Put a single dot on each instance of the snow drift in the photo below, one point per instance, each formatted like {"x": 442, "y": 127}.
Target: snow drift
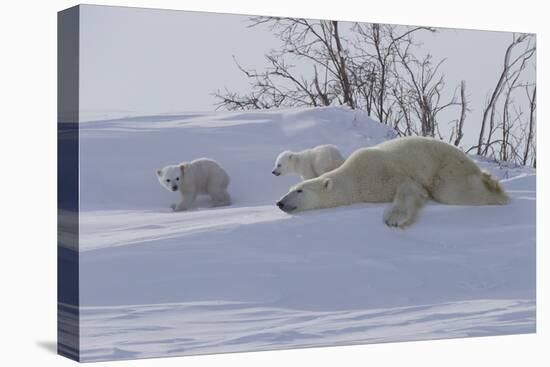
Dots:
{"x": 250, "y": 277}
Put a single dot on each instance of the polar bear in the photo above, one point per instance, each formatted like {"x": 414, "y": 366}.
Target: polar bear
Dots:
{"x": 406, "y": 171}
{"x": 201, "y": 176}
{"x": 309, "y": 163}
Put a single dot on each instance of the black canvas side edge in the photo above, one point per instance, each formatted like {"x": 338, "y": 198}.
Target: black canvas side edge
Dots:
{"x": 68, "y": 328}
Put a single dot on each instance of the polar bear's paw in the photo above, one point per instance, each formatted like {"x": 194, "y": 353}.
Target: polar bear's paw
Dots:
{"x": 177, "y": 207}
{"x": 396, "y": 217}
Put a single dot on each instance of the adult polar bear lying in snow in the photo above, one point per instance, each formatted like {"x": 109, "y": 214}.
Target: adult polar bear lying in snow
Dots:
{"x": 406, "y": 171}
{"x": 309, "y": 163}
{"x": 201, "y": 176}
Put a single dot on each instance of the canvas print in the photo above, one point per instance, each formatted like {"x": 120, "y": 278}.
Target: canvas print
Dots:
{"x": 239, "y": 183}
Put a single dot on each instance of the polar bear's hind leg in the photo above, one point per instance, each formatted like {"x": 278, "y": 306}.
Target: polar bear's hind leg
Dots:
{"x": 499, "y": 196}
{"x": 409, "y": 199}
{"x": 218, "y": 193}
{"x": 220, "y": 198}
{"x": 475, "y": 189}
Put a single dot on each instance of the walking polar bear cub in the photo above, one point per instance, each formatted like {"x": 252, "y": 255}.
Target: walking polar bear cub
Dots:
{"x": 406, "y": 171}
{"x": 201, "y": 176}
{"x": 309, "y": 163}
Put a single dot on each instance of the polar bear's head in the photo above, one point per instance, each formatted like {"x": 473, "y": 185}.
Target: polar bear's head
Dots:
{"x": 284, "y": 163}
{"x": 170, "y": 177}
{"x": 309, "y": 194}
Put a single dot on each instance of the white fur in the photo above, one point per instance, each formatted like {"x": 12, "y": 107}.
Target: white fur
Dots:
{"x": 309, "y": 163}
{"x": 201, "y": 176}
{"x": 405, "y": 171}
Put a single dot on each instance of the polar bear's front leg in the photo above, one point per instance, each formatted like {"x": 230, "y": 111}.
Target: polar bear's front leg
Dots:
{"x": 187, "y": 200}
{"x": 409, "y": 199}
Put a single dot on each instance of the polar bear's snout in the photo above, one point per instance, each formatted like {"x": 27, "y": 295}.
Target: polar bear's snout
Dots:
{"x": 287, "y": 203}
{"x": 174, "y": 188}
{"x": 276, "y": 173}
{"x": 285, "y": 207}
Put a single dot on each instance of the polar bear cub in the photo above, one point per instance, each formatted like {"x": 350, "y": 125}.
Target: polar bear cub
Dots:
{"x": 201, "y": 176}
{"x": 309, "y": 163}
{"x": 405, "y": 171}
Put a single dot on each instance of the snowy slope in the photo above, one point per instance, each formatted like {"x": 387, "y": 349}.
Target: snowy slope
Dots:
{"x": 119, "y": 158}
{"x": 249, "y": 276}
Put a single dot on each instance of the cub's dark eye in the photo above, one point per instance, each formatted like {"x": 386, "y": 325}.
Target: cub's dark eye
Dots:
{"x": 299, "y": 191}
{"x": 278, "y": 165}
{"x": 167, "y": 180}
{"x": 177, "y": 178}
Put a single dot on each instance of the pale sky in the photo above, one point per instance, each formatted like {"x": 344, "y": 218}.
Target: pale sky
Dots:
{"x": 147, "y": 61}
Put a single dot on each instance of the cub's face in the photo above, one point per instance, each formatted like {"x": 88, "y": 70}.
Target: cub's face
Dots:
{"x": 170, "y": 177}
{"x": 282, "y": 163}
{"x": 306, "y": 195}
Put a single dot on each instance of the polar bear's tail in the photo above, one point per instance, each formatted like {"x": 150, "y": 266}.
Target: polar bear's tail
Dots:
{"x": 494, "y": 187}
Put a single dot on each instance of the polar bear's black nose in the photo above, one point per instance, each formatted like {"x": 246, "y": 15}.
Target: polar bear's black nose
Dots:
{"x": 275, "y": 173}
{"x": 280, "y": 204}
{"x": 174, "y": 188}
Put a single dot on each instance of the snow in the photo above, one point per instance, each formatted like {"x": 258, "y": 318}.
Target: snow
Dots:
{"x": 249, "y": 277}
{"x": 215, "y": 327}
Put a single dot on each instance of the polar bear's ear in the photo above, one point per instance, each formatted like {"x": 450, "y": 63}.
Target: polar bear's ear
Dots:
{"x": 327, "y": 184}
{"x": 290, "y": 156}
{"x": 181, "y": 168}
{"x": 159, "y": 172}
